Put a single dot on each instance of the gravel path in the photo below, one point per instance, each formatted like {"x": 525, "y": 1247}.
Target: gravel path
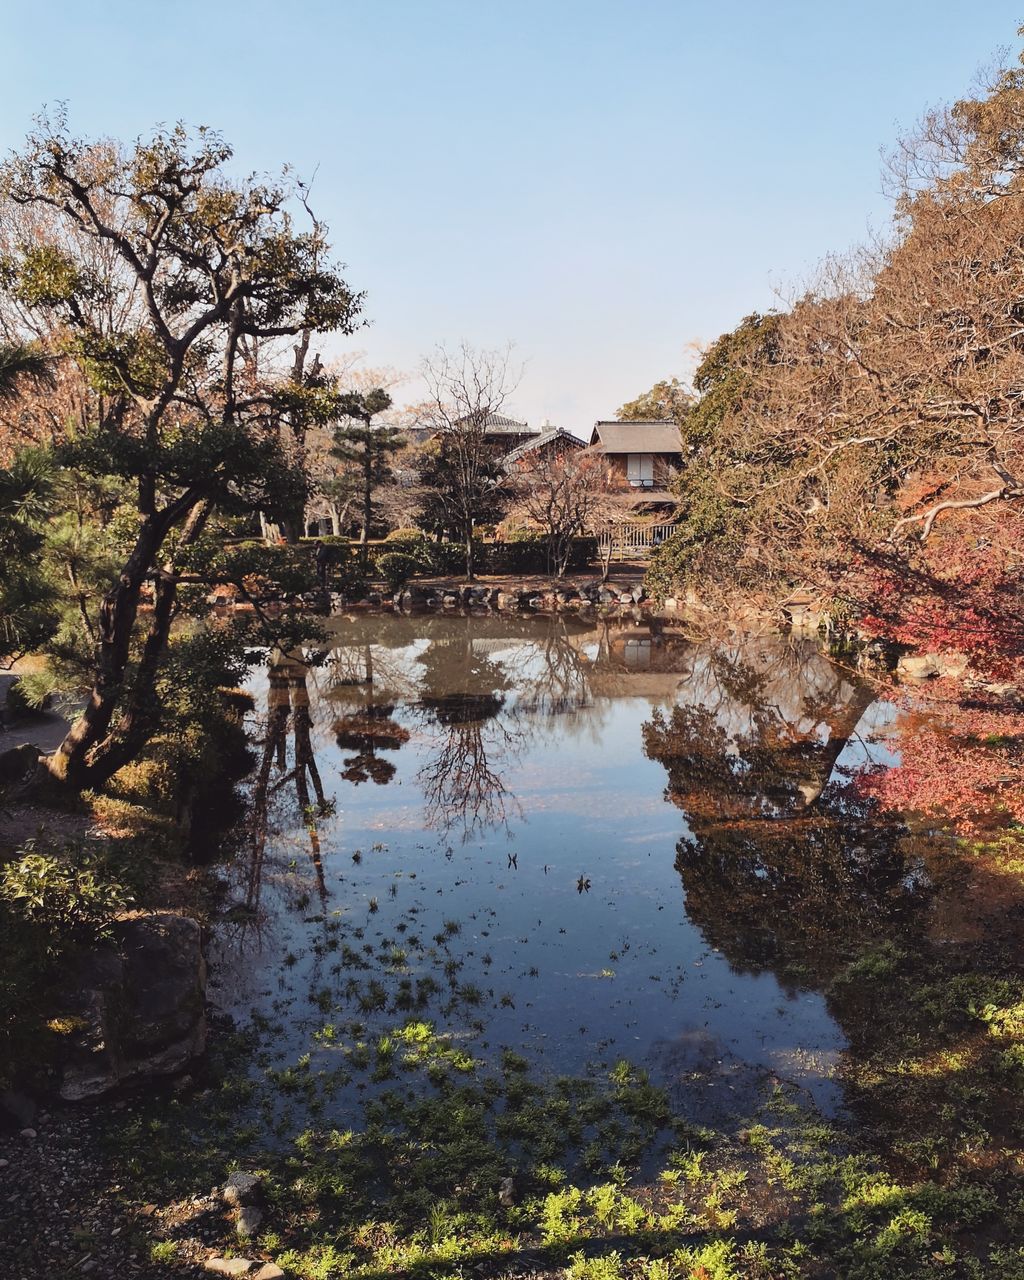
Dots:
{"x": 66, "y": 1212}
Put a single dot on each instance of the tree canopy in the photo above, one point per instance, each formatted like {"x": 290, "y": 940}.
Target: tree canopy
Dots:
{"x": 163, "y": 285}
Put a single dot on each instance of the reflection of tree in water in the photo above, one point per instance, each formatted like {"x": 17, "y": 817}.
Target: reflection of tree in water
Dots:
{"x": 551, "y": 675}
{"x": 369, "y": 728}
{"x": 369, "y": 732}
{"x": 461, "y": 783}
{"x": 288, "y": 709}
{"x": 782, "y": 869}
{"x": 463, "y": 695}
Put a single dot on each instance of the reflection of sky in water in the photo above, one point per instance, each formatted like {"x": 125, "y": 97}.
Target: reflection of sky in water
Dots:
{"x": 573, "y": 978}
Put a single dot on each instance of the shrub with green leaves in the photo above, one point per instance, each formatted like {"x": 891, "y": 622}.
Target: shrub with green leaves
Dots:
{"x": 397, "y": 567}
{"x": 407, "y": 534}
{"x": 72, "y": 897}
{"x": 31, "y": 692}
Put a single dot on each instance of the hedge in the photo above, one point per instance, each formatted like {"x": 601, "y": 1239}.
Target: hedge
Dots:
{"x": 525, "y": 552}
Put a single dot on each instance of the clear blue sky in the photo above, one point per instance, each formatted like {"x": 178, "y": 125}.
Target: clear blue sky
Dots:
{"x": 603, "y": 183}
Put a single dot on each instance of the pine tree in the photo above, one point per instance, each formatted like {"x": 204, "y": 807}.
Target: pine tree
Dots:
{"x": 366, "y": 448}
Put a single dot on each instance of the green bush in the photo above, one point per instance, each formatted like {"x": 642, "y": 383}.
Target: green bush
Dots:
{"x": 48, "y": 906}
{"x": 407, "y": 542}
{"x": 705, "y": 544}
{"x": 396, "y": 568}
{"x": 527, "y": 552}
{"x": 445, "y": 558}
{"x": 73, "y": 898}
{"x": 31, "y": 693}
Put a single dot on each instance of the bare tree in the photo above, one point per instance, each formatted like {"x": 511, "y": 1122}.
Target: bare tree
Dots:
{"x": 461, "y": 465}
{"x": 565, "y": 493}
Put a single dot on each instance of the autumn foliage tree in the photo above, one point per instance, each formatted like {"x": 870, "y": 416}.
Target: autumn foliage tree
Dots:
{"x": 871, "y": 452}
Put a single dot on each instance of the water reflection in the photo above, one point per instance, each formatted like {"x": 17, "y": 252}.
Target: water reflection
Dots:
{"x": 782, "y": 868}
{"x": 367, "y": 727}
{"x": 513, "y": 760}
{"x": 288, "y": 713}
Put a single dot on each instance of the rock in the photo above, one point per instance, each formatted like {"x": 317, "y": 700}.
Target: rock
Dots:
{"x": 917, "y": 666}
{"x": 269, "y": 1271}
{"x": 17, "y": 1108}
{"x": 922, "y": 666}
{"x": 139, "y": 1004}
{"x": 4, "y": 1164}
{"x": 229, "y": 1266}
{"x": 412, "y": 597}
{"x": 507, "y": 1192}
{"x": 17, "y": 764}
{"x": 28, "y": 1133}
{"x": 998, "y": 690}
{"x": 241, "y": 1188}
{"x": 248, "y": 1220}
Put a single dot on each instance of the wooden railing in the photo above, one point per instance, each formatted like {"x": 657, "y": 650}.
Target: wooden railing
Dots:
{"x": 634, "y": 540}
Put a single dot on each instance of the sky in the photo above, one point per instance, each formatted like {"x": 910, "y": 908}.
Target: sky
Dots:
{"x": 607, "y": 184}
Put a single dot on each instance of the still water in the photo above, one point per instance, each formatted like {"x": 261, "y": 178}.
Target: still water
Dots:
{"x": 581, "y": 841}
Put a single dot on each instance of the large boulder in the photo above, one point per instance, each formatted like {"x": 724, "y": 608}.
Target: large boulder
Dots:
{"x": 138, "y": 1006}
{"x": 918, "y": 666}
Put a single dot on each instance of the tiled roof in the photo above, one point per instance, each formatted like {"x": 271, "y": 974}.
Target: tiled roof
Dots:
{"x": 538, "y": 442}
{"x": 499, "y": 424}
{"x": 637, "y": 437}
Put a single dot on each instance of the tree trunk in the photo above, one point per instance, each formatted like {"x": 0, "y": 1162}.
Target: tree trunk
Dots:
{"x": 116, "y": 620}
{"x": 364, "y": 532}
{"x": 606, "y": 560}
{"x": 469, "y": 556}
{"x": 141, "y": 715}
{"x": 90, "y": 753}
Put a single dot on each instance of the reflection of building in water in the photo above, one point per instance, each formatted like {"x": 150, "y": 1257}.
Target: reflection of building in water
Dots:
{"x": 782, "y": 869}
{"x": 637, "y": 652}
{"x": 639, "y": 660}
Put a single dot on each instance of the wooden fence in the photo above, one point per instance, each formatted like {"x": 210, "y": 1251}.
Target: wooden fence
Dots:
{"x": 634, "y": 540}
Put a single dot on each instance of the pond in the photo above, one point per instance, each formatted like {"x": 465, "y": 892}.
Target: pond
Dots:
{"x": 581, "y": 841}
